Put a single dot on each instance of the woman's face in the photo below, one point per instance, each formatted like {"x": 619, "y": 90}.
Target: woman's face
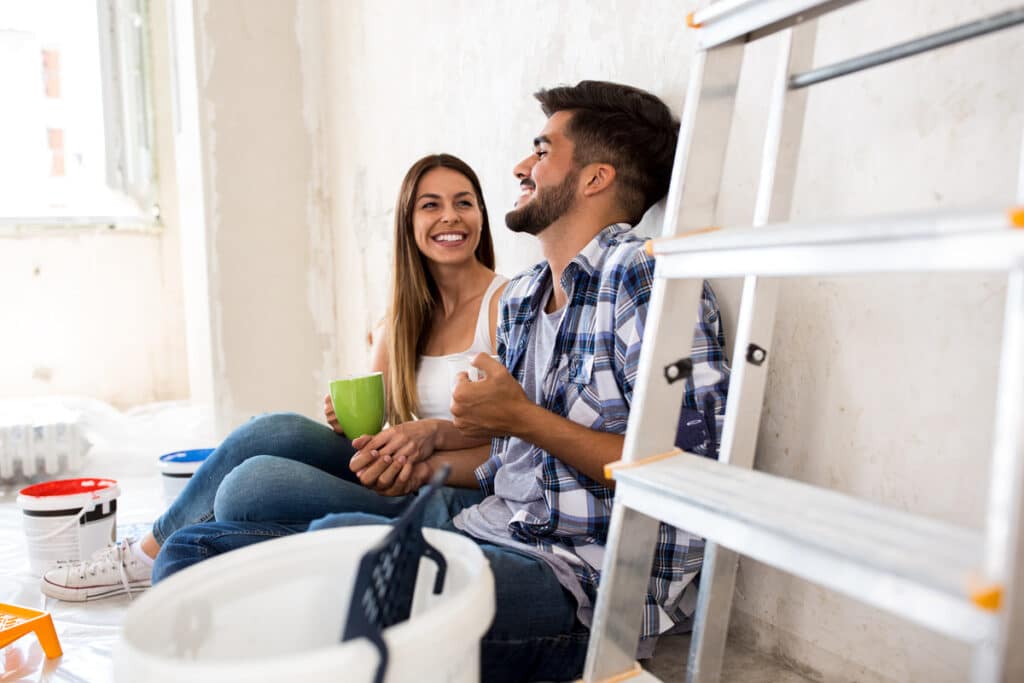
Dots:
{"x": 446, "y": 217}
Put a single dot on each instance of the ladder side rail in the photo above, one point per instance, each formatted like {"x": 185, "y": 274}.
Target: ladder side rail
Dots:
{"x": 704, "y": 129}
{"x": 626, "y": 573}
{"x": 755, "y": 328}
{"x": 1003, "y": 556}
{"x": 652, "y": 424}
{"x": 668, "y": 336}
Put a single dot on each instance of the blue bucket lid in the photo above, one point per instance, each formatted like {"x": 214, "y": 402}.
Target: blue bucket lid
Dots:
{"x": 193, "y": 455}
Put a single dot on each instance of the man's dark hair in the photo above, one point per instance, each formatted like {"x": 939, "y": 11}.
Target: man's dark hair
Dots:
{"x": 626, "y": 127}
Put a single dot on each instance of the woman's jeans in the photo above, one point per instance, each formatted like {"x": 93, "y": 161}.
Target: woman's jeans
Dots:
{"x": 535, "y": 634}
{"x": 257, "y": 472}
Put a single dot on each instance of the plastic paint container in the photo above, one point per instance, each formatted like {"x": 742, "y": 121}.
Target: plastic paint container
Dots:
{"x": 177, "y": 468}
{"x": 68, "y": 520}
{"x": 274, "y": 612}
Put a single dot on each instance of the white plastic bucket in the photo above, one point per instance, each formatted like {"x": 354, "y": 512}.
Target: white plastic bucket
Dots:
{"x": 177, "y": 468}
{"x": 68, "y": 520}
{"x": 275, "y": 612}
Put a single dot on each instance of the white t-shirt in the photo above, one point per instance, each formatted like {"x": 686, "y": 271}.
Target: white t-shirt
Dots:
{"x": 432, "y": 383}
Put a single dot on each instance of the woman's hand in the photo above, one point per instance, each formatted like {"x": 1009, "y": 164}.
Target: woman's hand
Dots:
{"x": 409, "y": 442}
{"x": 332, "y": 419}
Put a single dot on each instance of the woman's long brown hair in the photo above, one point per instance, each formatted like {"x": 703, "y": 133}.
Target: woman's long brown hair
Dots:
{"x": 414, "y": 292}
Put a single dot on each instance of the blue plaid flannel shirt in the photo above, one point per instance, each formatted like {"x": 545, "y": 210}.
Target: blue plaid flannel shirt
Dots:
{"x": 595, "y": 359}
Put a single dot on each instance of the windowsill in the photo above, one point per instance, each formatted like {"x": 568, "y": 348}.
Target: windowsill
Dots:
{"x": 63, "y": 225}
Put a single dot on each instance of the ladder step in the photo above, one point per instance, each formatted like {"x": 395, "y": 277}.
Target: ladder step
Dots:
{"x": 963, "y": 241}
{"x": 725, "y": 20}
{"x": 918, "y": 568}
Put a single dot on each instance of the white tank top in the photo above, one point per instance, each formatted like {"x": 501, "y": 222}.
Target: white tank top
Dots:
{"x": 432, "y": 383}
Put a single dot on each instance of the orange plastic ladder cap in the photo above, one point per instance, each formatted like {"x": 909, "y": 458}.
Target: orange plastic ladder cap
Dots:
{"x": 649, "y": 247}
{"x": 988, "y": 598}
{"x": 690, "y": 21}
{"x": 1017, "y": 216}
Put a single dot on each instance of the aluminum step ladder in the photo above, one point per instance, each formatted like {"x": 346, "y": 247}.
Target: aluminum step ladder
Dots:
{"x": 955, "y": 581}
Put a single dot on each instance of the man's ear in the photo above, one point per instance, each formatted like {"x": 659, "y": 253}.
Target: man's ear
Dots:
{"x": 597, "y": 178}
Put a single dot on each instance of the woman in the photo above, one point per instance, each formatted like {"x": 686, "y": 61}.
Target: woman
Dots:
{"x": 285, "y": 467}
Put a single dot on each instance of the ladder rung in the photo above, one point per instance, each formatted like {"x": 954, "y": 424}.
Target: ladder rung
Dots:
{"x": 725, "y": 20}
{"x": 915, "y": 567}
{"x": 979, "y": 240}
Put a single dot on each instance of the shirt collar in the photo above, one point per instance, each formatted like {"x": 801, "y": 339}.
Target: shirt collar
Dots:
{"x": 590, "y": 258}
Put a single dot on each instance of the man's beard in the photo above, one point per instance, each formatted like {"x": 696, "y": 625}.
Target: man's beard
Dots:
{"x": 546, "y": 207}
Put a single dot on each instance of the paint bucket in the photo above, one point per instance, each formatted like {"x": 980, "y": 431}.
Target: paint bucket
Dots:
{"x": 68, "y": 520}
{"x": 274, "y": 612}
{"x": 177, "y": 468}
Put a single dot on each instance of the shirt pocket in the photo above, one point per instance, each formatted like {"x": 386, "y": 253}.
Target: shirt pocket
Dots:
{"x": 579, "y": 367}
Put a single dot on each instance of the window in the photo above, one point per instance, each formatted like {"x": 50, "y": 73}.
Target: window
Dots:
{"x": 76, "y": 128}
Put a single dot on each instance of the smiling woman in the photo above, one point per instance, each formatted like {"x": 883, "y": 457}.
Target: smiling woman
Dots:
{"x": 444, "y": 250}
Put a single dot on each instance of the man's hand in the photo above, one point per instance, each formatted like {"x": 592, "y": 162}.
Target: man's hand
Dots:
{"x": 419, "y": 474}
{"x": 492, "y": 406}
{"x": 332, "y": 419}
{"x": 389, "y": 478}
{"x": 386, "y": 461}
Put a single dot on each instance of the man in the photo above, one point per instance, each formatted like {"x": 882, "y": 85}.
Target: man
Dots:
{"x": 569, "y": 333}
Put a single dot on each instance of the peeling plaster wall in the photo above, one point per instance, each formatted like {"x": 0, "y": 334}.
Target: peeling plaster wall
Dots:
{"x": 87, "y": 313}
{"x": 407, "y": 80}
{"x": 268, "y": 240}
{"x": 880, "y": 387}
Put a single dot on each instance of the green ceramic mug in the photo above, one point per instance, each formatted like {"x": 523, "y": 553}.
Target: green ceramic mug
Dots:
{"x": 359, "y": 404}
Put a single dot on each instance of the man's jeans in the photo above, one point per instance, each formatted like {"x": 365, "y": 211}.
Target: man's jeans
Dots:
{"x": 256, "y": 472}
{"x": 535, "y": 634}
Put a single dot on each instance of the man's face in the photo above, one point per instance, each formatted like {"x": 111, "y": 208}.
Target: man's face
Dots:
{"x": 548, "y": 179}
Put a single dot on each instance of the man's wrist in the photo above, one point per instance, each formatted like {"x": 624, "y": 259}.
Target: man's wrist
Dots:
{"x": 525, "y": 419}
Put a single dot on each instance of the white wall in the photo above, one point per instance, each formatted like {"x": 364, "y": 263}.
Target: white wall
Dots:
{"x": 879, "y": 387}
{"x": 268, "y": 247}
{"x": 88, "y": 313}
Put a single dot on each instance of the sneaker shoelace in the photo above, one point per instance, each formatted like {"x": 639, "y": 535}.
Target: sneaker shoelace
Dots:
{"x": 116, "y": 556}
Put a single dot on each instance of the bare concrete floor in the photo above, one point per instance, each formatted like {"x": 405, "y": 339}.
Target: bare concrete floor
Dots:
{"x": 741, "y": 665}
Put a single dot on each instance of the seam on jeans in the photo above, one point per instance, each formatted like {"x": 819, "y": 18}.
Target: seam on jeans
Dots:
{"x": 251, "y": 532}
{"x": 565, "y": 639}
{"x": 161, "y": 538}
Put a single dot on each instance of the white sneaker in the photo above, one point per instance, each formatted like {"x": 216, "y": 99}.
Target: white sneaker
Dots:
{"x": 111, "y": 571}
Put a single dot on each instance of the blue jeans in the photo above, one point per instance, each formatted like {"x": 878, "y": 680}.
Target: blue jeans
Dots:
{"x": 239, "y": 480}
{"x": 535, "y": 634}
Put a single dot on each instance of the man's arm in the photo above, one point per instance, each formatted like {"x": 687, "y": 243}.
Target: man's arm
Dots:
{"x": 394, "y": 479}
{"x": 464, "y": 462}
{"x": 497, "y": 406}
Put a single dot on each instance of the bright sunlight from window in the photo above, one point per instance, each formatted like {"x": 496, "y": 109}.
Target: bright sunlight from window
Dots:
{"x": 74, "y": 116}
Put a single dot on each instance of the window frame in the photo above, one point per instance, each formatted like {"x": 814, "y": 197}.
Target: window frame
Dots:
{"x": 125, "y": 74}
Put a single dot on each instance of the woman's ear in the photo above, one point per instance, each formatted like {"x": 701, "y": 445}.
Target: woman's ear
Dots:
{"x": 597, "y": 178}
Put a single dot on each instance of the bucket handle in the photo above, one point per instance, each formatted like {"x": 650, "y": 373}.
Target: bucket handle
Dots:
{"x": 64, "y": 527}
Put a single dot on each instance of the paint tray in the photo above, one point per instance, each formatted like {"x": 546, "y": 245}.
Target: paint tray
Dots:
{"x": 17, "y": 621}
